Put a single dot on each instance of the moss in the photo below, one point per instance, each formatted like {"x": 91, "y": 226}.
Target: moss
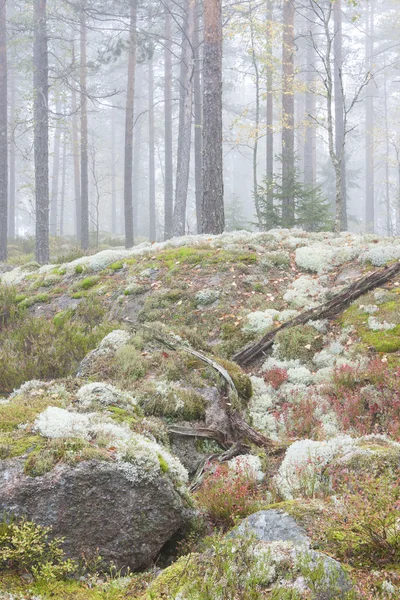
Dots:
{"x": 383, "y": 341}
{"x": 136, "y": 290}
{"x": 163, "y": 464}
{"x": 116, "y": 266}
{"x": 173, "y": 403}
{"x": 70, "y": 450}
{"x": 87, "y": 283}
{"x": 24, "y": 409}
{"x": 38, "y": 299}
{"x": 79, "y": 269}
{"x": 300, "y": 342}
{"x": 124, "y": 415}
{"x": 241, "y": 381}
{"x": 79, "y": 295}
{"x": 18, "y": 443}
{"x": 170, "y": 580}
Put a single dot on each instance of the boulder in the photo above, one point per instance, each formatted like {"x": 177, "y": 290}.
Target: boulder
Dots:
{"x": 272, "y": 526}
{"x": 96, "y": 508}
{"x": 312, "y": 571}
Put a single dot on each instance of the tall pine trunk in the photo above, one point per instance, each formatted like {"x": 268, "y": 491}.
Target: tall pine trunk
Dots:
{"x": 3, "y": 133}
{"x": 130, "y": 100}
{"x": 288, "y": 157}
{"x": 84, "y": 133}
{"x": 75, "y": 154}
{"x": 168, "y": 167}
{"x": 369, "y": 125}
{"x": 310, "y": 109}
{"x": 270, "y": 111}
{"x": 152, "y": 170}
{"x": 113, "y": 175}
{"x": 339, "y": 114}
{"x": 198, "y": 116}
{"x": 63, "y": 181}
{"x": 213, "y": 215}
{"x": 12, "y": 225}
{"x": 257, "y": 116}
{"x": 41, "y": 130}
{"x": 56, "y": 173}
{"x": 186, "y": 82}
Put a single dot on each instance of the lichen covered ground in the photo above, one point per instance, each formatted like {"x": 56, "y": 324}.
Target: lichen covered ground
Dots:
{"x": 103, "y": 340}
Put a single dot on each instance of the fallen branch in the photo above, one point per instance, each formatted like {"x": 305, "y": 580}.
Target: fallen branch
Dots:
{"x": 328, "y": 310}
{"x": 243, "y": 432}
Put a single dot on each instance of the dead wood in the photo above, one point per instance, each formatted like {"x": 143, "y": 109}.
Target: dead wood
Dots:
{"x": 328, "y": 310}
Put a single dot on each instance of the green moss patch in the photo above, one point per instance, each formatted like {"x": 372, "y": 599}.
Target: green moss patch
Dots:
{"x": 300, "y": 342}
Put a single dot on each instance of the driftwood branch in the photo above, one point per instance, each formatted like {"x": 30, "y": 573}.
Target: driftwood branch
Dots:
{"x": 328, "y": 310}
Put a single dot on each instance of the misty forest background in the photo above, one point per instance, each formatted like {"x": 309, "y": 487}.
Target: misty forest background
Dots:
{"x": 116, "y": 117}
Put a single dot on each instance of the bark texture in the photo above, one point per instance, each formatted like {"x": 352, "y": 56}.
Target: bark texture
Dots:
{"x": 3, "y": 133}
{"x": 369, "y": 124}
{"x": 270, "y": 110}
{"x": 186, "y": 82}
{"x": 84, "y": 133}
{"x": 288, "y": 157}
{"x": 130, "y": 100}
{"x": 41, "y": 131}
{"x": 339, "y": 113}
{"x": 198, "y": 116}
{"x": 152, "y": 168}
{"x": 56, "y": 173}
{"x": 168, "y": 168}
{"x": 213, "y": 215}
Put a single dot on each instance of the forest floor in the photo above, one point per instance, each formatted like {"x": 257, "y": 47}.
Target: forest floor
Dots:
{"x": 328, "y": 392}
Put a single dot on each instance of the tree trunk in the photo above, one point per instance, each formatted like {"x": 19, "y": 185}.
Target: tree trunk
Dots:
{"x": 270, "y": 110}
{"x": 257, "y": 116}
{"x": 75, "y": 154}
{"x": 213, "y": 214}
{"x": 113, "y": 175}
{"x": 41, "y": 131}
{"x": 56, "y": 172}
{"x": 310, "y": 109}
{"x": 328, "y": 310}
{"x": 198, "y": 117}
{"x": 185, "y": 120}
{"x": 288, "y": 157}
{"x": 12, "y": 225}
{"x": 130, "y": 100}
{"x": 369, "y": 125}
{"x": 137, "y": 166}
{"x": 152, "y": 169}
{"x": 84, "y": 133}
{"x": 389, "y": 222}
{"x": 3, "y": 133}
{"x": 339, "y": 109}
{"x": 168, "y": 167}
{"x": 63, "y": 181}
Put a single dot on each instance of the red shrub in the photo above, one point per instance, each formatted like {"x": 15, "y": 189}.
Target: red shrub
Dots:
{"x": 276, "y": 377}
{"x": 367, "y": 400}
{"x": 300, "y": 419}
{"x": 226, "y": 495}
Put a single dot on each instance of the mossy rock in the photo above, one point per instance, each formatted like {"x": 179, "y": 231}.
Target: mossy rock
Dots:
{"x": 172, "y": 403}
{"x": 299, "y": 342}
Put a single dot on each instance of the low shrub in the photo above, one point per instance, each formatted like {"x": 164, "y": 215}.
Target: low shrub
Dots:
{"x": 226, "y": 495}
{"x": 363, "y": 526}
{"x": 300, "y": 419}
{"x": 276, "y": 377}
{"x": 25, "y": 546}
{"x": 367, "y": 400}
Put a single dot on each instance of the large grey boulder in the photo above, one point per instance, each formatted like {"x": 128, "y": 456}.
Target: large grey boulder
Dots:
{"x": 96, "y": 508}
{"x": 319, "y": 574}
